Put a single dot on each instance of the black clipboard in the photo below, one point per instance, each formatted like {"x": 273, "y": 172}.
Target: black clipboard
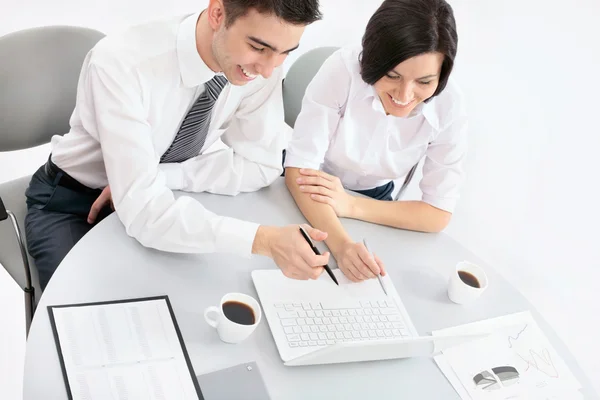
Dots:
{"x": 140, "y": 299}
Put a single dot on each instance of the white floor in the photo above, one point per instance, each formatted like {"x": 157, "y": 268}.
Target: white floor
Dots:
{"x": 12, "y": 337}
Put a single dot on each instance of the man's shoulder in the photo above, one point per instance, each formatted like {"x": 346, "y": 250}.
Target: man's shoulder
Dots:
{"x": 137, "y": 44}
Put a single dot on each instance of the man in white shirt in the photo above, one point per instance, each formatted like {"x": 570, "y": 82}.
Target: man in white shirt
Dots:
{"x": 150, "y": 102}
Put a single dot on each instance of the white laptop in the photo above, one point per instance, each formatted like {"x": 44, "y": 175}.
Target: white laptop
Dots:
{"x": 318, "y": 322}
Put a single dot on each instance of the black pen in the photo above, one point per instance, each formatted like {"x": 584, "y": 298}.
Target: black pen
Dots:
{"x": 317, "y": 252}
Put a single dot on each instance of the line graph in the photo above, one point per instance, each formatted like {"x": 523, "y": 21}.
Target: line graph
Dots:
{"x": 538, "y": 359}
{"x": 511, "y": 339}
{"x": 542, "y": 361}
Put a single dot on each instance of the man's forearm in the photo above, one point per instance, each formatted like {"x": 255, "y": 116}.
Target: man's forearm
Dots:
{"x": 411, "y": 215}
{"x": 220, "y": 172}
{"x": 319, "y": 215}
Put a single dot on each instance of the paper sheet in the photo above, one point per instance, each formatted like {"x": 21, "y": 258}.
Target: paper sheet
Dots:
{"x": 126, "y": 350}
{"x": 515, "y": 362}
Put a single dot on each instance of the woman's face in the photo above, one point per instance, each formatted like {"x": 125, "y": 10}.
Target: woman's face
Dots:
{"x": 410, "y": 83}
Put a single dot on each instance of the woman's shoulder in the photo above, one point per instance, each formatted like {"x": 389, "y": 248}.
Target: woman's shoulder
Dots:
{"x": 350, "y": 56}
{"x": 341, "y": 70}
{"x": 449, "y": 105}
{"x": 345, "y": 60}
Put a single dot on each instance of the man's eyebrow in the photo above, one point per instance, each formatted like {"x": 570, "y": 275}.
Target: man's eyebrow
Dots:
{"x": 263, "y": 43}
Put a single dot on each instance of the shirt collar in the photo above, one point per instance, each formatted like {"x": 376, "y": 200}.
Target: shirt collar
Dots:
{"x": 193, "y": 69}
{"x": 426, "y": 109}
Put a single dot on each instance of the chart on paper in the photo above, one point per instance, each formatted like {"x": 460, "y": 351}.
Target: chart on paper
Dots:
{"x": 515, "y": 362}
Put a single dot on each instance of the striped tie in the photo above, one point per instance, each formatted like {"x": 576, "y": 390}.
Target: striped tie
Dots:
{"x": 192, "y": 134}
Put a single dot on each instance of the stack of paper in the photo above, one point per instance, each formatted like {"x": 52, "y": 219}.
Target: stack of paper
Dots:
{"x": 123, "y": 349}
{"x": 516, "y": 361}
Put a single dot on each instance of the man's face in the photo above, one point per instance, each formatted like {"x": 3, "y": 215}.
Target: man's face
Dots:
{"x": 254, "y": 45}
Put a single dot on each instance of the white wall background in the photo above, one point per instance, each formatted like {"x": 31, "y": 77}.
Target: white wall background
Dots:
{"x": 529, "y": 73}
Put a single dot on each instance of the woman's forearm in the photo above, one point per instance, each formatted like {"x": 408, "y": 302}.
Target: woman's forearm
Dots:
{"x": 319, "y": 215}
{"x": 411, "y": 215}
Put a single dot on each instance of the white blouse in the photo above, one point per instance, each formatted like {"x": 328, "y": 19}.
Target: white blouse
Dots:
{"x": 343, "y": 129}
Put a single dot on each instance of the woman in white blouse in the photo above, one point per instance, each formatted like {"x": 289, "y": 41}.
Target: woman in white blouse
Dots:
{"x": 369, "y": 115}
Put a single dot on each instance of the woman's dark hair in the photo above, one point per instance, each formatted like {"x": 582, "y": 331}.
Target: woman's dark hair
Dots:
{"x": 296, "y": 12}
{"x": 402, "y": 29}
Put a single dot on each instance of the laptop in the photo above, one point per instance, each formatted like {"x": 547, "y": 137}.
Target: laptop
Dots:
{"x": 318, "y": 322}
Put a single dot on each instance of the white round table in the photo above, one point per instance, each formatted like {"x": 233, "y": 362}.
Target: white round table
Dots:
{"x": 109, "y": 265}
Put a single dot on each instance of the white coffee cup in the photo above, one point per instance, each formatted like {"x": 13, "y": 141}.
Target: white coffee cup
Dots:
{"x": 230, "y": 331}
{"x": 461, "y": 292}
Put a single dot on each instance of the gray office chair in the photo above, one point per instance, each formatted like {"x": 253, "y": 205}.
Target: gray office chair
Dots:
{"x": 38, "y": 81}
{"x": 297, "y": 79}
{"x": 294, "y": 86}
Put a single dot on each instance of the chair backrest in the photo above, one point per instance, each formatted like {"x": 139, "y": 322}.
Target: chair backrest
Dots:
{"x": 39, "y": 72}
{"x": 38, "y": 82}
{"x": 298, "y": 77}
{"x": 406, "y": 182}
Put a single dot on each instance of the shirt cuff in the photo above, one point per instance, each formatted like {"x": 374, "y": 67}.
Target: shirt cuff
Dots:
{"x": 294, "y": 161}
{"x": 235, "y": 236}
{"x": 173, "y": 175}
{"x": 446, "y": 204}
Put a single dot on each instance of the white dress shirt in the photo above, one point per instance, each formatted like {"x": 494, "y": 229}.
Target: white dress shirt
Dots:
{"x": 134, "y": 90}
{"x": 343, "y": 129}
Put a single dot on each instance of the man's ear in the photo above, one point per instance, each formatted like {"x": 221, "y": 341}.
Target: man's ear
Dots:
{"x": 216, "y": 14}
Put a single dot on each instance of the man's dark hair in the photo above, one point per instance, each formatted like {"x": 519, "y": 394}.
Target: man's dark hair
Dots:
{"x": 297, "y": 12}
{"x": 402, "y": 29}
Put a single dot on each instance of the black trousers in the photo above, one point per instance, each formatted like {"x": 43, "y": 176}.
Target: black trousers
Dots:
{"x": 57, "y": 210}
{"x": 383, "y": 192}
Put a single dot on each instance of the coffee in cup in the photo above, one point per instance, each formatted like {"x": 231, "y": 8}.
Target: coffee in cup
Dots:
{"x": 235, "y": 318}
{"x": 467, "y": 282}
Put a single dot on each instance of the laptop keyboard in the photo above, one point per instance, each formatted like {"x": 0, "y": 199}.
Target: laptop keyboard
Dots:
{"x": 327, "y": 322}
